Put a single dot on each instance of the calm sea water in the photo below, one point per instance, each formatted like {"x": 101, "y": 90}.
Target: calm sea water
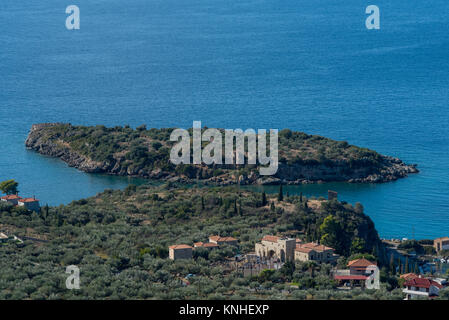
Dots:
{"x": 306, "y": 65}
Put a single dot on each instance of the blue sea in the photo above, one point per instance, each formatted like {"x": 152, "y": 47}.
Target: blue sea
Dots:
{"x": 308, "y": 65}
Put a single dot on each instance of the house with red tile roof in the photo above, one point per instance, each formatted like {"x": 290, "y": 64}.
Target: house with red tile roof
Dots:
{"x": 29, "y": 203}
{"x": 276, "y": 248}
{"x": 11, "y": 198}
{"x": 223, "y": 240}
{"x": 359, "y": 270}
{"x": 290, "y": 249}
{"x": 359, "y": 266}
{"x": 180, "y": 251}
{"x": 421, "y": 287}
{"x": 206, "y": 245}
{"x": 314, "y": 252}
{"x": 408, "y": 276}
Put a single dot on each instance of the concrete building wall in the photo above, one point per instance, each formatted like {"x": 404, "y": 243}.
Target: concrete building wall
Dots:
{"x": 441, "y": 244}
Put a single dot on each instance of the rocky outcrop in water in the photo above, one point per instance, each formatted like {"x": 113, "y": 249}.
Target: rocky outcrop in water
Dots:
{"x": 47, "y": 141}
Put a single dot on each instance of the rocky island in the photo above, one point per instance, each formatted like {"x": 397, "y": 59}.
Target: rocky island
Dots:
{"x": 143, "y": 152}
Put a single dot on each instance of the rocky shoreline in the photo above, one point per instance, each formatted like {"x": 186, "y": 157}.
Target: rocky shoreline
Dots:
{"x": 390, "y": 169}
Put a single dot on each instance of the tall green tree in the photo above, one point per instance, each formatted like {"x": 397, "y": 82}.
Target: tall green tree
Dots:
{"x": 9, "y": 186}
{"x": 281, "y": 194}
{"x": 392, "y": 268}
{"x": 264, "y": 199}
{"x": 330, "y": 231}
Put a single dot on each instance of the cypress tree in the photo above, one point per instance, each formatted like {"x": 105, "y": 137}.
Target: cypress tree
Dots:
{"x": 281, "y": 194}
{"x": 264, "y": 199}
{"x": 240, "y": 208}
{"x": 392, "y": 269}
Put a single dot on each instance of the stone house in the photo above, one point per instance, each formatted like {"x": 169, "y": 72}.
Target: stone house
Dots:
{"x": 206, "y": 245}
{"x": 314, "y": 252}
{"x": 223, "y": 240}
{"x": 278, "y": 248}
{"x": 180, "y": 251}
{"x": 29, "y": 203}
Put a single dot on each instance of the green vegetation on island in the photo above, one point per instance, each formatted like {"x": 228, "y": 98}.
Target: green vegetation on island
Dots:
{"x": 145, "y": 152}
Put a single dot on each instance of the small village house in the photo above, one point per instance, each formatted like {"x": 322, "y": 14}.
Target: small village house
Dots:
{"x": 314, "y": 252}
{"x": 206, "y": 245}
{"x": 421, "y": 287}
{"x": 11, "y": 198}
{"x": 277, "y": 248}
{"x": 223, "y": 240}
{"x": 441, "y": 244}
{"x": 29, "y": 203}
{"x": 360, "y": 266}
{"x": 289, "y": 249}
{"x": 357, "y": 273}
{"x": 180, "y": 251}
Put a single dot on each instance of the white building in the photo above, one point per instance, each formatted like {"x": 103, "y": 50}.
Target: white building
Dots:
{"x": 421, "y": 287}
{"x": 11, "y": 198}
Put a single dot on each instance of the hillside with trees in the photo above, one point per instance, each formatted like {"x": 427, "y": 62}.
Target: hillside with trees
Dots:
{"x": 120, "y": 239}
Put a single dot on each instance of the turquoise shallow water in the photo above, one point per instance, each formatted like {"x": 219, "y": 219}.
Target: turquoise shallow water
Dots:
{"x": 306, "y": 65}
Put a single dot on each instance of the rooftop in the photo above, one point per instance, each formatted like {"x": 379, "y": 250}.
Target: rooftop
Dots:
{"x": 222, "y": 239}
{"x": 180, "y": 246}
{"x": 28, "y": 200}
{"x": 350, "y": 277}
{"x": 314, "y": 246}
{"x": 271, "y": 238}
{"x": 206, "y": 244}
{"x": 422, "y": 283}
{"x": 408, "y": 276}
{"x": 11, "y": 197}
{"x": 301, "y": 249}
{"x": 361, "y": 263}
